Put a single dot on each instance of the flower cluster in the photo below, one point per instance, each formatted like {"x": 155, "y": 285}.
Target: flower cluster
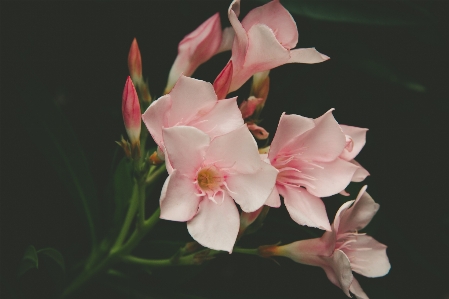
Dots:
{"x": 216, "y": 168}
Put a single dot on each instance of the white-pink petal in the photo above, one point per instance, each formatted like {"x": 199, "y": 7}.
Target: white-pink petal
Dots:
{"x": 358, "y": 215}
{"x": 357, "y": 290}
{"x": 339, "y": 271}
{"x": 289, "y": 127}
{"x": 252, "y": 190}
{"x": 185, "y": 148}
{"x": 191, "y": 98}
{"x": 236, "y": 150}
{"x": 307, "y": 55}
{"x": 274, "y": 199}
{"x": 216, "y": 225}
{"x": 178, "y": 199}
{"x": 155, "y": 118}
{"x": 224, "y": 117}
{"x": 324, "y": 143}
{"x": 329, "y": 178}
{"x": 358, "y": 139}
{"x": 368, "y": 257}
{"x": 304, "y": 208}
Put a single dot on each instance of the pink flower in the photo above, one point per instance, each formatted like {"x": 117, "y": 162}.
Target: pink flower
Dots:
{"x": 135, "y": 63}
{"x": 306, "y": 152}
{"x": 263, "y": 40}
{"x": 343, "y": 250}
{"x": 198, "y": 47}
{"x": 192, "y": 103}
{"x": 355, "y": 140}
{"x": 207, "y": 177}
{"x": 131, "y": 112}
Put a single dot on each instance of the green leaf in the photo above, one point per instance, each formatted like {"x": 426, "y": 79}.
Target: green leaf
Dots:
{"x": 54, "y": 137}
{"x": 54, "y": 255}
{"x": 123, "y": 187}
{"x": 29, "y": 260}
{"x": 394, "y": 13}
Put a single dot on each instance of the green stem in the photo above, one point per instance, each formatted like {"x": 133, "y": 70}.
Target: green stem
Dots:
{"x": 137, "y": 235}
{"x": 191, "y": 259}
{"x": 155, "y": 174}
{"x": 134, "y": 203}
{"x": 142, "y": 197}
{"x": 246, "y": 250}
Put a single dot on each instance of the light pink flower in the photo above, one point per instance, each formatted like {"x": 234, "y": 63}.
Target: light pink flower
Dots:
{"x": 131, "y": 112}
{"x": 192, "y": 103}
{"x": 355, "y": 140}
{"x": 306, "y": 152}
{"x": 198, "y": 47}
{"x": 343, "y": 250}
{"x": 135, "y": 63}
{"x": 263, "y": 40}
{"x": 207, "y": 177}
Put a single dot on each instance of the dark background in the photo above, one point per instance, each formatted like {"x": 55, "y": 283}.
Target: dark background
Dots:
{"x": 64, "y": 64}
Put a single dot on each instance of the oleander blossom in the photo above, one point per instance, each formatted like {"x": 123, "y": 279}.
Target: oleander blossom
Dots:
{"x": 198, "y": 47}
{"x": 306, "y": 153}
{"x": 194, "y": 103}
{"x": 263, "y": 40}
{"x": 208, "y": 176}
{"x": 343, "y": 250}
{"x": 355, "y": 140}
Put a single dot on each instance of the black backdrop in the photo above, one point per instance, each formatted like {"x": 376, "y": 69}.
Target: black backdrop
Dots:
{"x": 388, "y": 72}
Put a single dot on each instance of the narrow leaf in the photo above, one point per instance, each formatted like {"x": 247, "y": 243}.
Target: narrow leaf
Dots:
{"x": 54, "y": 255}
{"x": 29, "y": 260}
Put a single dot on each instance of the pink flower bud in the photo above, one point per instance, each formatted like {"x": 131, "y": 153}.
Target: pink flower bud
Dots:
{"x": 261, "y": 86}
{"x": 131, "y": 112}
{"x": 248, "y": 107}
{"x": 135, "y": 63}
{"x": 258, "y": 132}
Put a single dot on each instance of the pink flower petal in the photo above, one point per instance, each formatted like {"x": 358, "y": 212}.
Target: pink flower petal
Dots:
{"x": 273, "y": 200}
{"x": 339, "y": 271}
{"x": 227, "y": 39}
{"x": 306, "y": 252}
{"x": 224, "y": 117}
{"x": 236, "y": 150}
{"x": 241, "y": 39}
{"x": 328, "y": 178}
{"x": 356, "y": 289}
{"x": 249, "y": 106}
{"x": 275, "y": 16}
{"x": 155, "y": 119}
{"x": 360, "y": 174}
{"x": 216, "y": 225}
{"x": 324, "y": 143}
{"x": 264, "y": 52}
{"x": 358, "y": 137}
{"x": 290, "y": 126}
{"x": 304, "y": 208}
{"x": 179, "y": 201}
{"x": 306, "y": 55}
{"x": 190, "y": 98}
{"x": 185, "y": 147}
{"x": 223, "y": 81}
{"x": 359, "y": 214}
{"x": 368, "y": 257}
{"x": 196, "y": 48}
{"x": 252, "y": 190}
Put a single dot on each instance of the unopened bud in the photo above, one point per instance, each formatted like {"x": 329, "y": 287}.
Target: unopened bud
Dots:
{"x": 131, "y": 112}
{"x": 261, "y": 86}
{"x": 158, "y": 157}
{"x": 258, "y": 132}
{"x": 249, "y": 106}
{"x": 135, "y": 63}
